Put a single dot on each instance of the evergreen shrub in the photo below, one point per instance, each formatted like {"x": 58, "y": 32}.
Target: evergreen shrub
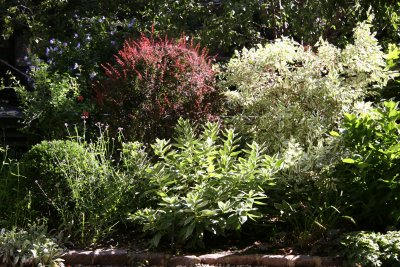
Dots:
{"x": 43, "y": 172}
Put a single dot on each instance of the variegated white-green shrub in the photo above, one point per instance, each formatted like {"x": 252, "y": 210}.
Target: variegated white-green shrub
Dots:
{"x": 286, "y": 91}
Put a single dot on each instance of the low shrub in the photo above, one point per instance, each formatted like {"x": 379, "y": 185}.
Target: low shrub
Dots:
{"x": 31, "y": 247}
{"x": 153, "y": 83}
{"x": 308, "y": 204}
{"x": 371, "y": 249}
{"x": 203, "y": 184}
{"x": 43, "y": 169}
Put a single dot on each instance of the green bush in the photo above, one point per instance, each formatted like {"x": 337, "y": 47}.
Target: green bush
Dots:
{"x": 284, "y": 92}
{"x": 44, "y": 172}
{"x": 220, "y": 25}
{"x": 371, "y": 249}
{"x": 224, "y": 25}
{"x": 369, "y": 172}
{"x": 203, "y": 184}
{"x": 228, "y": 25}
{"x": 306, "y": 197}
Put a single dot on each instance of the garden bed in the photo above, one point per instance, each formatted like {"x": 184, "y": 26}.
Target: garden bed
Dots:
{"x": 289, "y": 148}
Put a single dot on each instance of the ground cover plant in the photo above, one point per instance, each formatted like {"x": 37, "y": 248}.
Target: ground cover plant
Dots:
{"x": 32, "y": 247}
{"x": 372, "y": 249}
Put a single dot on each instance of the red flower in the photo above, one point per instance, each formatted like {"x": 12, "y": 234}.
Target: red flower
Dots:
{"x": 80, "y": 98}
{"x": 85, "y": 115}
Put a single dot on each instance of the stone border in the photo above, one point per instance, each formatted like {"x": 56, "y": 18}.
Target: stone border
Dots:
{"x": 121, "y": 257}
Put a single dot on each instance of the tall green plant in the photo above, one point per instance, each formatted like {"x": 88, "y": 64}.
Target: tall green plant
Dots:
{"x": 203, "y": 184}
{"x": 369, "y": 175}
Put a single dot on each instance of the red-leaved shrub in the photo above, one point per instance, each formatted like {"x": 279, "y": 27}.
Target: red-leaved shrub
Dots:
{"x": 153, "y": 83}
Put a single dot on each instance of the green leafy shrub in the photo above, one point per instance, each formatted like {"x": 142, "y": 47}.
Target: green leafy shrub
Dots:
{"x": 220, "y": 25}
{"x": 203, "y": 184}
{"x": 369, "y": 173}
{"x": 153, "y": 83}
{"x": 31, "y": 247}
{"x": 51, "y": 103}
{"x": 228, "y": 25}
{"x": 285, "y": 92}
{"x": 371, "y": 249}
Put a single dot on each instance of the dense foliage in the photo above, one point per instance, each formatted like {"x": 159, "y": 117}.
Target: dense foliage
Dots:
{"x": 223, "y": 25}
{"x": 43, "y": 173}
{"x": 32, "y": 247}
{"x": 74, "y": 184}
{"x": 51, "y": 103}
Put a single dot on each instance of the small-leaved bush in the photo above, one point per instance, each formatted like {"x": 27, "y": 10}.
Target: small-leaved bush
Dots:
{"x": 43, "y": 172}
{"x": 31, "y": 247}
{"x": 283, "y": 91}
{"x": 78, "y": 186}
{"x": 371, "y": 249}
{"x": 153, "y": 83}
{"x": 369, "y": 173}
{"x": 203, "y": 184}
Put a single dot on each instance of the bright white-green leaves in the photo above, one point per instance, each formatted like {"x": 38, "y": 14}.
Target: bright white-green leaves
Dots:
{"x": 288, "y": 91}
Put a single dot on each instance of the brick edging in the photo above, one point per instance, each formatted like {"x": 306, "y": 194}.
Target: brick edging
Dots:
{"x": 121, "y": 257}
